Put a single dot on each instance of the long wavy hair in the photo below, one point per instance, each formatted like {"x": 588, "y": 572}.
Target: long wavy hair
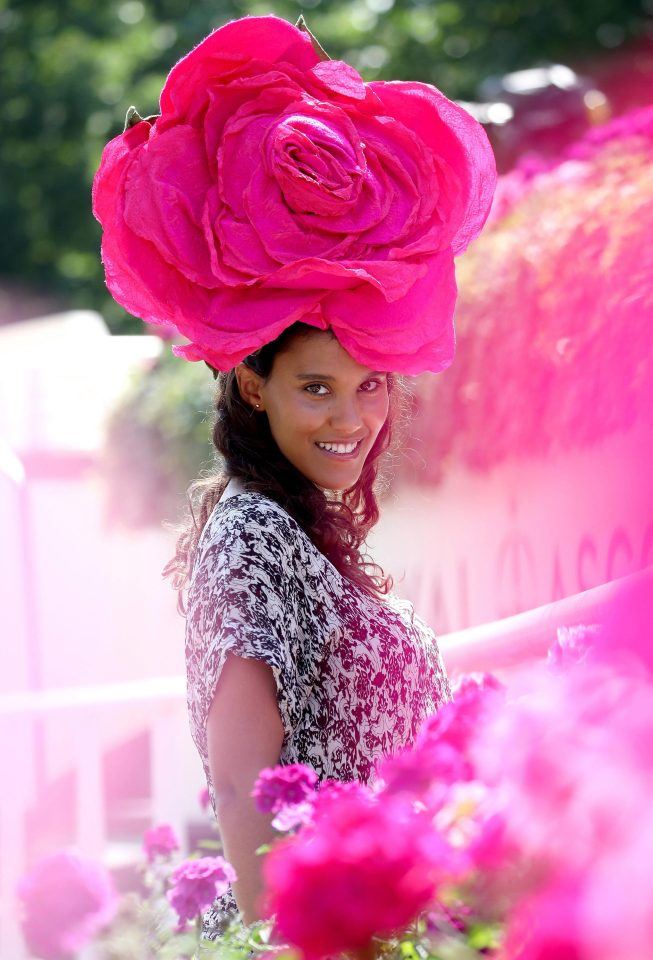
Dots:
{"x": 246, "y": 449}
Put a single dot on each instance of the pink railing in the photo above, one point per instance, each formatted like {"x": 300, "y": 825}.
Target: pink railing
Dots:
{"x": 622, "y": 605}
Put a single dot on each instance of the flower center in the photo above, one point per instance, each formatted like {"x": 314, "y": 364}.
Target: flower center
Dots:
{"x": 316, "y": 165}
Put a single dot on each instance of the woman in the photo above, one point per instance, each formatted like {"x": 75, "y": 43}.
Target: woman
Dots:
{"x": 296, "y": 652}
{"x": 298, "y": 227}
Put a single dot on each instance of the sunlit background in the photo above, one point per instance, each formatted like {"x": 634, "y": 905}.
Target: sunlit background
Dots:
{"x": 526, "y": 474}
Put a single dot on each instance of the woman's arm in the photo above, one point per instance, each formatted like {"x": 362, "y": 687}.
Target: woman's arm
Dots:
{"x": 244, "y": 734}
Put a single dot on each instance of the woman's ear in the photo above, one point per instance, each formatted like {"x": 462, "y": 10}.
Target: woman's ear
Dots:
{"x": 250, "y": 386}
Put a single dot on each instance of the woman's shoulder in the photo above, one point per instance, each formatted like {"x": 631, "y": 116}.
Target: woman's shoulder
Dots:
{"x": 252, "y": 517}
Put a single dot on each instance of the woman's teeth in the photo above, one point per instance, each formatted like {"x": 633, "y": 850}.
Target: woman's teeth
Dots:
{"x": 339, "y": 447}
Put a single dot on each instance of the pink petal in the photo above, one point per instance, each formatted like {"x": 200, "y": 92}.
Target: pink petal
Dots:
{"x": 240, "y": 153}
{"x": 457, "y": 138}
{"x": 237, "y": 42}
{"x": 280, "y": 231}
{"x": 234, "y": 326}
{"x": 165, "y": 194}
{"x": 335, "y": 76}
{"x": 409, "y": 335}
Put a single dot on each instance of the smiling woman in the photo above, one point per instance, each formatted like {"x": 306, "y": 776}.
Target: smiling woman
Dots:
{"x": 296, "y": 650}
{"x": 299, "y": 227}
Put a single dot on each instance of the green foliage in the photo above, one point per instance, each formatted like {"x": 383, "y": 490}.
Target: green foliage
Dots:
{"x": 69, "y": 70}
{"x": 158, "y": 440}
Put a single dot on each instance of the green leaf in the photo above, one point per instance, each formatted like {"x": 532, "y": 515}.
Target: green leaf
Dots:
{"x": 264, "y": 848}
{"x": 209, "y": 845}
{"x": 317, "y": 46}
{"x": 484, "y": 936}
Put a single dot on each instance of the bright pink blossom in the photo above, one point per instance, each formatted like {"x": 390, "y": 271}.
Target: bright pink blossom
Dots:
{"x": 442, "y": 752}
{"x": 65, "y": 901}
{"x": 370, "y": 865}
{"x": 159, "y": 841}
{"x": 282, "y": 786}
{"x": 275, "y": 187}
{"x": 195, "y": 884}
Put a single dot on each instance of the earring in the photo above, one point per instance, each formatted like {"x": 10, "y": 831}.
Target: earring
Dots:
{"x": 257, "y": 405}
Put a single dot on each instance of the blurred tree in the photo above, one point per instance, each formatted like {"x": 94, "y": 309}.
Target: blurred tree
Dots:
{"x": 70, "y": 68}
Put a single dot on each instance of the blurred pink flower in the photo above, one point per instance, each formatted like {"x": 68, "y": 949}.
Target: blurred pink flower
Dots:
{"x": 159, "y": 841}
{"x": 282, "y": 786}
{"x": 204, "y": 799}
{"x": 371, "y": 864}
{"x": 572, "y": 645}
{"x": 65, "y": 901}
{"x": 195, "y": 884}
{"x": 442, "y": 751}
{"x": 547, "y": 926}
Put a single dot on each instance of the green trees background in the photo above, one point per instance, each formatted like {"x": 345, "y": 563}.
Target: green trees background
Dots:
{"x": 70, "y": 68}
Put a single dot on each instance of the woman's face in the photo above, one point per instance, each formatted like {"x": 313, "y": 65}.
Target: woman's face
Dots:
{"x": 325, "y": 410}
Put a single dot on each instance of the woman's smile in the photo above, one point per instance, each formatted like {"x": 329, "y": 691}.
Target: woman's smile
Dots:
{"x": 343, "y": 451}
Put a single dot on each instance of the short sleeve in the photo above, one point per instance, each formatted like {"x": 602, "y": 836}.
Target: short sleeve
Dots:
{"x": 242, "y": 600}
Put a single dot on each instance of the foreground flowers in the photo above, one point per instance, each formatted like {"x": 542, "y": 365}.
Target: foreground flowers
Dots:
{"x": 65, "y": 900}
{"x": 195, "y": 884}
{"x": 529, "y": 811}
{"x": 363, "y": 868}
{"x": 519, "y": 826}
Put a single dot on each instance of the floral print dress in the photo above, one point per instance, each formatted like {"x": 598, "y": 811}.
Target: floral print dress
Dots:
{"x": 356, "y": 676}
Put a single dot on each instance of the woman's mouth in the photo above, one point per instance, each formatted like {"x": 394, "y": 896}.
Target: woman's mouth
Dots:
{"x": 341, "y": 451}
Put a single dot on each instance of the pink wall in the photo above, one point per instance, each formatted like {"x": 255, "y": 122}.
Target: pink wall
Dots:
{"x": 529, "y": 532}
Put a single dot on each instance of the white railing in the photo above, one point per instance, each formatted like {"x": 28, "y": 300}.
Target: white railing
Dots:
{"x": 18, "y": 713}
{"x": 497, "y": 646}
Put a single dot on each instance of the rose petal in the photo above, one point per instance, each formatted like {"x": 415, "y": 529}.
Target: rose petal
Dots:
{"x": 336, "y": 76}
{"x": 164, "y": 200}
{"x": 385, "y": 336}
{"x": 240, "y": 152}
{"x": 280, "y": 231}
{"x": 236, "y": 43}
{"x": 456, "y": 137}
{"x": 223, "y": 359}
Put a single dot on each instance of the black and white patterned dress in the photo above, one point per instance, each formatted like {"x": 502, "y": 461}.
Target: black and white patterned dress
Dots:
{"x": 355, "y": 676}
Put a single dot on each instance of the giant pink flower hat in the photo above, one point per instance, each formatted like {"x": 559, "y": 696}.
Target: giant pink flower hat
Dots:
{"x": 277, "y": 186}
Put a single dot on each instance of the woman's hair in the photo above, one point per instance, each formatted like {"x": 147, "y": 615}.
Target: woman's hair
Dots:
{"x": 248, "y": 451}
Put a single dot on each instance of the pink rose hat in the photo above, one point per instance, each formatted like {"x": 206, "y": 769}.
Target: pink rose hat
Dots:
{"x": 277, "y": 186}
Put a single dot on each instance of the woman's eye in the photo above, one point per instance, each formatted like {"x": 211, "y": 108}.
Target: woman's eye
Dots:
{"x": 371, "y": 386}
{"x": 314, "y": 388}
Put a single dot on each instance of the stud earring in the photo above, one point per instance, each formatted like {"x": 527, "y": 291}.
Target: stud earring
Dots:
{"x": 257, "y": 405}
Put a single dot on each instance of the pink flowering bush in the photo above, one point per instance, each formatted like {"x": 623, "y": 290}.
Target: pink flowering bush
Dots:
{"x": 195, "y": 884}
{"x": 555, "y": 304}
{"x": 159, "y": 841}
{"x": 283, "y": 786}
{"x": 275, "y": 183}
{"x": 65, "y": 901}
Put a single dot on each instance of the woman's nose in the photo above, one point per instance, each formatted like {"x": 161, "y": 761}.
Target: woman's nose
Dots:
{"x": 346, "y": 415}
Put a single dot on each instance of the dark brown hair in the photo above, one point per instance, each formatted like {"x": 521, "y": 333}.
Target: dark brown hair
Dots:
{"x": 248, "y": 451}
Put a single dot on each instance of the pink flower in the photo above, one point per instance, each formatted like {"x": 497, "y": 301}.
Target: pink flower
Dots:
{"x": 548, "y": 926}
{"x": 204, "y": 799}
{"x": 195, "y": 884}
{"x": 159, "y": 841}
{"x": 442, "y": 753}
{"x": 572, "y": 645}
{"x": 65, "y": 901}
{"x": 276, "y": 186}
{"x": 278, "y": 787}
{"x": 371, "y": 866}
